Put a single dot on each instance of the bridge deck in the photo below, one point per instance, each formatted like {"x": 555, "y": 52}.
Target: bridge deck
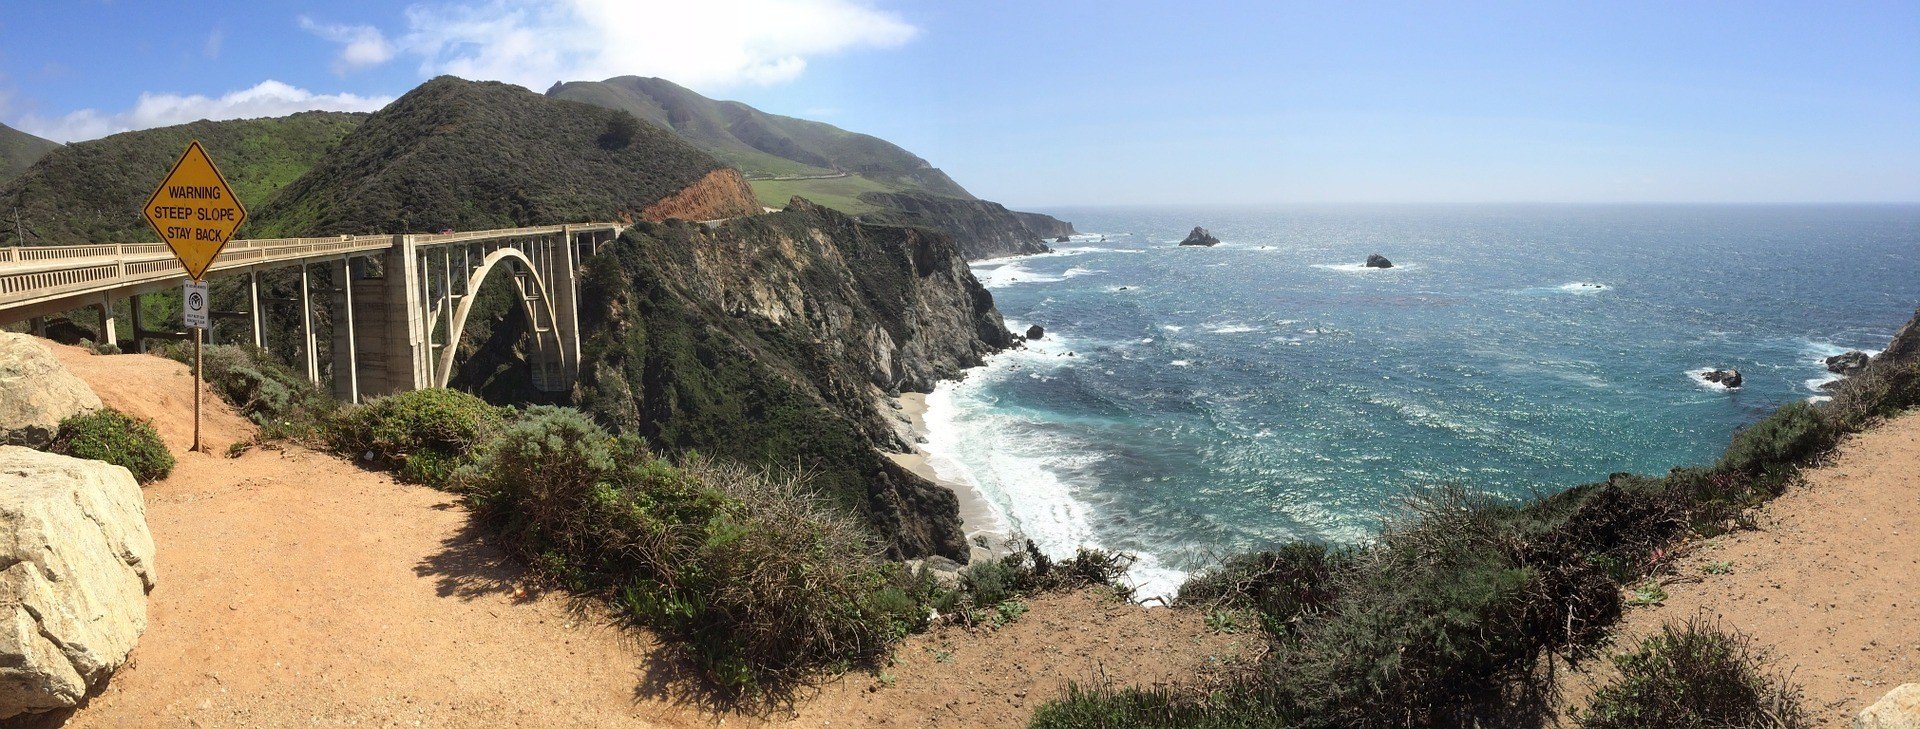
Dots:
{"x": 37, "y": 280}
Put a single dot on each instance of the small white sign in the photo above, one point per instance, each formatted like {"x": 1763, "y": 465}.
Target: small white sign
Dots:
{"x": 193, "y": 300}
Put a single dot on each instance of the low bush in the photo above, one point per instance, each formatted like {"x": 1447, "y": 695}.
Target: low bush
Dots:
{"x": 764, "y": 581}
{"x": 424, "y": 434}
{"x": 1027, "y": 571}
{"x": 1285, "y": 586}
{"x": 1691, "y": 676}
{"x": 283, "y": 403}
{"x": 1791, "y": 436}
{"x": 117, "y": 438}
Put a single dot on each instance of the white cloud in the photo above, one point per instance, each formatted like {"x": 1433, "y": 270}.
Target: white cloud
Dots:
{"x": 268, "y": 98}
{"x": 706, "y": 45}
{"x": 215, "y": 39}
{"x": 361, "y": 46}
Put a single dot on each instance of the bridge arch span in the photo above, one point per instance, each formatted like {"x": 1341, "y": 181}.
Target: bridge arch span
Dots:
{"x": 538, "y": 308}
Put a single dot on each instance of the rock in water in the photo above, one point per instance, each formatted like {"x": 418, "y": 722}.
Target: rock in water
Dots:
{"x": 73, "y": 597}
{"x": 1725, "y": 378}
{"x": 1899, "y": 709}
{"x": 1036, "y": 332}
{"x": 1200, "y": 237}
{"x": 1848, "y": 363}
{"x": 1378, "y": 261}
{"x": 37, "y": 392}
{"x": 1063, "y": 239}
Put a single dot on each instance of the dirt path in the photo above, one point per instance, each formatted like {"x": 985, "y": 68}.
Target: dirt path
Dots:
{"x": 297, "y": 589}
{"x": 1830, "y": 581}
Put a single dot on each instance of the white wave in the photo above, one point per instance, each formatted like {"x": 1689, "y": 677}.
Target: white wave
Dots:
{"x": 1699, "y": 377}
{"x": 1172, "y": 327}
{"x": 1078, "y": 271}
{"x": 1013, "y": 273}
{"x": 1232, "y": 327}
{"x": 1181, "y": 362}
{"x": 1814, "y": 383}
{"x": 1360, "y": 267}
{"x": 1584, "y": 287}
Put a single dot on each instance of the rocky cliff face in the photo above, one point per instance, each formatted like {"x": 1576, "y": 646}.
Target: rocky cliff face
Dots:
{"x": 722, "y": 193}
{"x": 768, "y": 340}
{"x": 1905, "y": 346}
{"x": 983, "y": 229}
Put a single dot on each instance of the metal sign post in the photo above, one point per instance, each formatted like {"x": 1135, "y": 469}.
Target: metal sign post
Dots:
{"x": 195, "y": 212}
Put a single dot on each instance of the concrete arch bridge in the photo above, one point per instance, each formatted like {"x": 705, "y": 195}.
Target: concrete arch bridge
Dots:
{"x": 401, "y": 302}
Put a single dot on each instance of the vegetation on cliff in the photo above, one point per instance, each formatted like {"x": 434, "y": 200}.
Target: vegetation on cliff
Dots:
{"x": 984, "y": 228}
{"x": 766, "y": 341}
{"x": 19, "y": 150}
{"x": 91, "y": 192}
{"x": 1451, "y": 617}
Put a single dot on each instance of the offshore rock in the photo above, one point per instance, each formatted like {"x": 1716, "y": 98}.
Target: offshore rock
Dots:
{"x": 37, "y": 392}
{"x": 79, "y": 563}
{"x": 1200, "y": 237}
{"x": 1725, "y": 378}
{"x": 1063, "y": 239}
{"x": 1847, "y": 363}
{"x": 1378, "y": 261}
{"x": 1036, "y": 331}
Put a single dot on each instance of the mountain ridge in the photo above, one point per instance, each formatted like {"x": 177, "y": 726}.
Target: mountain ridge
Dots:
{"x": 19, "y": 150}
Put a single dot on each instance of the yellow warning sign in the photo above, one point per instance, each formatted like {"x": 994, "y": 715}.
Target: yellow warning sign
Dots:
{"x": 195, "y": 211}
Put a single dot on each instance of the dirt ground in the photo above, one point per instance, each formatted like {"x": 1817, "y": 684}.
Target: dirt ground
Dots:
{"x": 298, "y": 589}
{"x": 1830, "y": 580}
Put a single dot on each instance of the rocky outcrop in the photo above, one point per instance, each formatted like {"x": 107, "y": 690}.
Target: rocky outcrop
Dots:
{"x": 1905, "y": 346}
{"x": 37, "y": 392}
{"x": 1847, "y": 363}
{"x": 722, "y": 193}
{"x": 1899, "y": 709}
{"x": 78, "y": 564}
{"x": 1200, "y": 237}
{"x": 1378, "y": 261}
{"x": 1036, "y": 331}
{"x": 983, "y": 229}
{"x": 1724, "y": 378}
{"x": 1063, "y": 239}
{"x": 768, "y": 339}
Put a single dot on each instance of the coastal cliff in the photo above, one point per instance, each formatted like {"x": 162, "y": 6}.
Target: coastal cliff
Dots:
{"x": 722, "y": 193}
{"x": 768, "y": 340}
{"x": 984, "y": 229}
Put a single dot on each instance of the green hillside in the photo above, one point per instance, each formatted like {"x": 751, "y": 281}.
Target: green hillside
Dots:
{"x": 19, "y": 150}
{"x": 474, "y": 155}
{"x": 91, "y": 192}
{"x": 767, "y": 146}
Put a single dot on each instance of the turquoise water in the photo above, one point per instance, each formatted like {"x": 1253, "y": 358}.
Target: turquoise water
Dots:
{"x": 1193, "y": 402}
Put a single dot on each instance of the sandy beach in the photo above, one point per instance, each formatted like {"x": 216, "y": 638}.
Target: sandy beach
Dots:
{"x": 985, "y": 531}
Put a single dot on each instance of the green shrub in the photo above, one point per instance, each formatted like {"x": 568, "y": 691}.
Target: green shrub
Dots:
{"x": 424, "y": 434}
{"x": 1883, "y": 389}
{"x": 1285, "y": 587}
{"x": 272, "y": 395}
{"x": 1027, "y": 571}
{"x": 1694, "y": 676}
{"x": 1789, "y": 437}
{"x": 117, "y": 438}
{"x": 764, "y": 581}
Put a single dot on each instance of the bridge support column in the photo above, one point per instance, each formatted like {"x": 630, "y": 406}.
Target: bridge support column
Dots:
{"x": 346, "y": 335}
{"x": 405, "y": 347}
{"x": 109, "y": 325}
{"x": 306, "y": 327}
{"x": 139, "y": 336}
{"x": 566, "y": 306}
{"x": 253, "y": 308}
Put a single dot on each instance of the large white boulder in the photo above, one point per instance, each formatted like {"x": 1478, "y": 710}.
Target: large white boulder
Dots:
{"x": 37, "y": 392}
{"x": 1899, "y": 709}
{"x": 76, "y": 562}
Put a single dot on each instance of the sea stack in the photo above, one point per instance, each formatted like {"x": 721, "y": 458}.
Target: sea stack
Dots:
{"x": 1848, "y": 363}
{"x": 1725, "y": 378}
{"x": 1378, "y": 261}
{"x": 1200, "y": 237}
{"x": 1035, "y": 332}
{"x": 1063, "y": 239}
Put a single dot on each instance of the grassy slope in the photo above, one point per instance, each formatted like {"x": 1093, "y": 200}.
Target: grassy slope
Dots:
{"x": 91, "y": 192}
{"x": 839, "y": 193}
{"x": 19, "y": 150}
{"x": 476, "y": 155}
{"x": 763, "y": 145}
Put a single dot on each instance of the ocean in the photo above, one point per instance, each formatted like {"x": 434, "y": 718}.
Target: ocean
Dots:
{"x": 1191, "y": 403}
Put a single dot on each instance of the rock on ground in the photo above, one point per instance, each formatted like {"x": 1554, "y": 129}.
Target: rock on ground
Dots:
{"x": 78, "y": 562}
{"x": 1899, "y": 709}
{"x": 36, "y": 392}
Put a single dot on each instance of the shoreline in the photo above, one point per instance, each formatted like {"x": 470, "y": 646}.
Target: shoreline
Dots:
{"x": 986, "y": 534}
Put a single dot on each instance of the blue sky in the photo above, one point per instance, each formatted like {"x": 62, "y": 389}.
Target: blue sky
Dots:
{"x": 1107, "y": 102}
